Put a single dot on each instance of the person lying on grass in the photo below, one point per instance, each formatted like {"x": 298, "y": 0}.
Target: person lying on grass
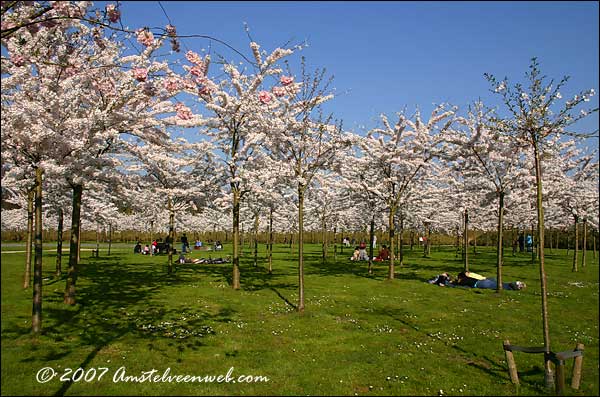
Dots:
{"x": 473, "y": 280}
{"x": 184, "y": 259}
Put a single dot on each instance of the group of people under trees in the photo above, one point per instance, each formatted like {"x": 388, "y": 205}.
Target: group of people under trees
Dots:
{"x": 473, "y": 280}
{"x": 155, "y": 248}
{"x": 360, "y": 253}
{"x": 158, "y": 246}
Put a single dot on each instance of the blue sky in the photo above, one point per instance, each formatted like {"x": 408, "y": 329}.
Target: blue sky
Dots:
{"x": 386, "y": 56}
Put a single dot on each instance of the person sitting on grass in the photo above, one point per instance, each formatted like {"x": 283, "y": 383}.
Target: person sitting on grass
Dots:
{"x": 384, "y": 254}
{"x": 362, "y": 248}
{"x": 355, "y": 254}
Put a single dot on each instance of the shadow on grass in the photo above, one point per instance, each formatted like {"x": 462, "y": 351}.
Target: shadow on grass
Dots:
{"x": 284, "y": 298}
{"x": 115, "y": 301}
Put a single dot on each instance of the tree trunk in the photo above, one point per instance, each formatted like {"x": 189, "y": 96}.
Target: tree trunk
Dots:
{"x": 97, "y": 240}
{"x": 500, "y": 249}
{"x": 79, "y": 244}
{"x": 428, "y": 241}
{"x": 371, "y": 234}
{"x": 391, "y": 235}
{"x": 300, "y": 248}
{"x": 548, "y": 374}
{"x": 401, "y": 242}
{"x": 28, "y": 250}
{"x": 109, "y": 237}
{"x": 584, "y": 245}
{"x": 576, "y": 227}
{"x": 533, "y": 242}
{"x": 69, "y": 297}
{"x": 335, "y": 243}
{"x": 466, "y": 241}
{"x": 235, "y": 281}
{"x": 36, "y": 312}
{"x": 457, "y": 242}
{"x": 59, "y": 239}
{"x": 271, "y": 240}
{"x": 255, "y": 232}
{"x": 324, "y": 240}
{"x": 594, "y": 235}
{"x": 171, "y": 236}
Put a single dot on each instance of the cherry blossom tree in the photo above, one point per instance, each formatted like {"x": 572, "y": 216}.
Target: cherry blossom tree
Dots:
{"x": 237, "y": 122}
{"x": 402, "y": 154}
{"x": 534, "y": 116}
{"x": 305, "y": 141}
{"x": 68, "y": 96}
{"x": 488, "y": 157}
{"x": 181, "y": 176}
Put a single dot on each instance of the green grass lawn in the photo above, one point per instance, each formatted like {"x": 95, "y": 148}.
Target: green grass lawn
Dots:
{"x": 359, "y": 335}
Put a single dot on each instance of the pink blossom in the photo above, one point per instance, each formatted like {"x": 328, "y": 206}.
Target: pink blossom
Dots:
{"x": 197, "y": 70}
{"x": 17, "y": 60}
{"x": 189, "y": 84}
{"x": 183, "y": 112}
{"x": 112, "y": 13}
{"x": 204, "y": 90}
{"x": 106, "y": 87}
{"x": 172, "y": 84}
{"x": 140, "y": 74}
{"x": 71, "y": 71}
{"x": 171, "y": 30}
{"x": 61, "y": 7}
{"x": 264, "y": 97}
{"x": 285, "y": 80}
{"x": 193, "y": 58}
{"x": 278, "y": 91}
{"x": 5, "y": 25}
{"x": 145, "y": 37}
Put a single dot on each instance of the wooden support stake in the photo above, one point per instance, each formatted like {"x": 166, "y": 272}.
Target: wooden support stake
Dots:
{"x": 560, "y": 377}
{"x": 577, "y": 364}
{"x": 512, "y": 367}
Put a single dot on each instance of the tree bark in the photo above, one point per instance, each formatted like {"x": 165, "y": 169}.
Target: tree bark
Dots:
{"x": 97, "y": 240}
{"x": 533, "y": 244}
{"x": 36, "y": 312}
{"x": 235, "y": 281}
{"x": 548, "y": 374}
{"x": 466, "y": 241}
{"x": 59, "y": 242}
{"x": 79, "y": 244}
{"x": 371, "y": 234}
{"x": 324, "y": 238}
{"x": 69, "y": 296}
{"x": 500, "y": 249}
{"x": 109, "y": 237}
{"x": 255, "y": 232}
{"x": 271, "y": 240}
{"x": 28, "y": 250}
{"x": 401, "y": 242}
{"x": 575, "y": 252}
{"x": 428, "y": 241}
{"x": 391, "y": 226}
{"x": 335, "y": 243}
{"x": 584, "y": 245}
{"x": 171, "y": 236}
{"x": 300, "y": 248}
